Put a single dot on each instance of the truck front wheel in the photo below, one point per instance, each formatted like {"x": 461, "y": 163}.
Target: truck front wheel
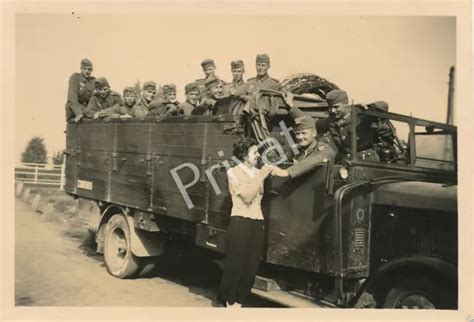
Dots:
{"x": 419, "y": 293}
{"x": 118, "y": 256}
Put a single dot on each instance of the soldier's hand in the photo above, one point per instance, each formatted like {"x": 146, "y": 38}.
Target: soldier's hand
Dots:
{"x": 96, "y": 115}
{"x": 289, "y": 99}
{"x": 78, "y": 118}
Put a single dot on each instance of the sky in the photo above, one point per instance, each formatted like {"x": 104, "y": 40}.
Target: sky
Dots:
{"x": 402, "y": 60}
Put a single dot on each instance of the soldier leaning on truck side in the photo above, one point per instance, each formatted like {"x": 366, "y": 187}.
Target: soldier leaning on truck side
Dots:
{"x": 192, "y": 96}
{"x": 312, "y": 153}
{"x": 236, "y": 87}
{"x": 215, "y": 92}
{"x": 102, "y": 99}
{"x": 142, "y": 107}
{"x": 167, "y": 106}
{"x": 80, "y": 90}
{"x": 125, "y": 109}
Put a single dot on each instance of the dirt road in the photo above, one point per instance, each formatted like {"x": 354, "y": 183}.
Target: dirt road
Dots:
{"x": 54, "y": 269}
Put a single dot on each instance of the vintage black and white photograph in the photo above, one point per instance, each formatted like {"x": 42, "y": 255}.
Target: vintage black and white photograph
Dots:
{"x": 236, "y": 161}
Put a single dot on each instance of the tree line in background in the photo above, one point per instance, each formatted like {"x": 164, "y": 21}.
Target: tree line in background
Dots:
{"x": 35, "y": 152}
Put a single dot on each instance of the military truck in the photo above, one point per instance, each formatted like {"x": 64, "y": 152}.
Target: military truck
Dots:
{"x": 376, "y": 229}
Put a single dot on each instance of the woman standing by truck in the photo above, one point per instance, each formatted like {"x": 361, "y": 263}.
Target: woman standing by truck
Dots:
{"x": 245, "y": 234}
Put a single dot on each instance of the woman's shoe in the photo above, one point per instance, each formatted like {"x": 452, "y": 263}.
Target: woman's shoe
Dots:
{"x": 233, "y": 306}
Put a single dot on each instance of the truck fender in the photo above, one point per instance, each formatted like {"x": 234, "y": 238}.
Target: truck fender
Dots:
{"x": 143, "y": 243}
{"x": 428, "y": 263}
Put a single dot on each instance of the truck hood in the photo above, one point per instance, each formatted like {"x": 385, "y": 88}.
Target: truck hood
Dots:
{"x": 414, "y": 194}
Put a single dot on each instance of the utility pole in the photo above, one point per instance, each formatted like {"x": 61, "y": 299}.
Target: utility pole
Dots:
{"x": 450, "y": 113}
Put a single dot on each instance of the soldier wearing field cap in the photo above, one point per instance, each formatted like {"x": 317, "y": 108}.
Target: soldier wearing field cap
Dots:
{"x": 262, "y": 80}
{"x": 312, "y": 153}
{"x": 236, "y": 87}
{"x": 80, "y": 90}
{"x": 209, "y": 70}
{"x": 370, "y": 130}
{"x": 168, "y": 105}
{"x": 215, "y": 92}
{"x": 125, "y": 109}
{"x": 142, "y": 107}
{"x": 192, "y": 96}
{"x": 102, "y": 99}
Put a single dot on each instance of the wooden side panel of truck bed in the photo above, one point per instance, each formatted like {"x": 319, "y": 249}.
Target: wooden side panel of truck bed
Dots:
{"x": 130, "y": 163}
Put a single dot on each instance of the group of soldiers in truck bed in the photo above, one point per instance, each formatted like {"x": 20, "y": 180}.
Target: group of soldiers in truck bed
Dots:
{"x": 90, "y": 97}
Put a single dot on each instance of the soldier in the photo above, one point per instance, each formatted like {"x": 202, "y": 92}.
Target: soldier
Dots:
{"x": 215, "y": 92}
{"x": 209, "y": 69}
{"x": 370, "y": 130}
{"x": 80, "y": 90}
{"x": 102, "y": 99}
{"x": 142, "y": 107}
{"x": 167, "y": 106}
{"x": 262, "y": 80}
{"x": 236, "y": 87}
{"x": 312, "y": 153}
{"x": 125, "y": 109}
{"x": 192, "y": 96}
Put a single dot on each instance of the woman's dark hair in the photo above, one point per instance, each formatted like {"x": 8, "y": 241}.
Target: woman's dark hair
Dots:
{"x": 242, "y": 146}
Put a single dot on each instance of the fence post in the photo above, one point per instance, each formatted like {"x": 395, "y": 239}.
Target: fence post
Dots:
{"x": 63, "y": 166}
{"x": 36, "y": 174}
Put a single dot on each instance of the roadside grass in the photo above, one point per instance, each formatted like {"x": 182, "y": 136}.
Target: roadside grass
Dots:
{"x": 76, "y": 216}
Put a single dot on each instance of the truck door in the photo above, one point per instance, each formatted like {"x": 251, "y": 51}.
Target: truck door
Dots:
{"x": 299, "y": 215}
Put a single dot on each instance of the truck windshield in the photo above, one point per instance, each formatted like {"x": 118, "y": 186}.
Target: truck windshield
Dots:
{"x": 434, "y": 150}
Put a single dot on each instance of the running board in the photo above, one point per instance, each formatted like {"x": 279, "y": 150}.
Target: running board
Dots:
{"x": 290, "y": 299}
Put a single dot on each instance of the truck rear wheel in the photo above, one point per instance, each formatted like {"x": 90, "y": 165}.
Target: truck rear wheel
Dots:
{"x": 118, "y": 256}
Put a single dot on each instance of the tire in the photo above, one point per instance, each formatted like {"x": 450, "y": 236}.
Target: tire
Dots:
{"x": 148, "y": 265}
{"x": 118, "y": 256}
{"x": 420, "y": 292}
{"x": 307, "y": 83}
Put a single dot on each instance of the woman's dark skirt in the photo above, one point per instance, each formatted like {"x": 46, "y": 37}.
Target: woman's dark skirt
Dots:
{"x": 244, "y": 249}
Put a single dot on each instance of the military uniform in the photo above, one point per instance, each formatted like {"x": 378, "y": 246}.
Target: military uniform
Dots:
{"x": 163, "y": 108}
{"x": 79, "y": 93}
{"x": 141, "y": 108}
{"x": 265, "y": 82}
{"x": 116, "y": 111}
{"x": 310, "y": 158}
{"x": 98, "y": 103}
{"x": 187, "y": 108}
{"x": 234, "y": 88}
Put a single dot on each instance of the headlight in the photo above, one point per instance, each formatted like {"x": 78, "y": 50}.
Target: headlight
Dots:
{"x": 343, "y": 173}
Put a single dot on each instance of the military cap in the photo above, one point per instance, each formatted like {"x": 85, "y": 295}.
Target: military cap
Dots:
{"x": 168, "y": 88}
{"x": 337, "y": 96}
{"x": 263, "y": 58}
{"x": 149, "y": 85}
{"x": 128, "y": 89}
{"x": 191, "y": 87}
{"x": 379, "y": 105}
{"x": 101, "y": 82}
{"x": 304, "y": 123}
{"x": 206, "y": 62}
{"x": 237, "y": 64}
{"x": 86, "y": 63}
{"x": 212, "y": 81}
